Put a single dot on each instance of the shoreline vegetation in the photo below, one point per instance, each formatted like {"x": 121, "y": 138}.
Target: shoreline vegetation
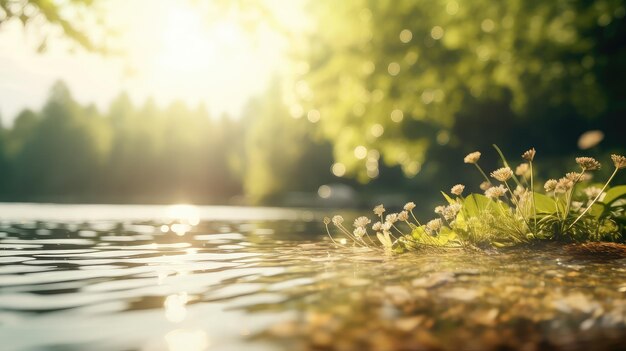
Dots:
{"x": 510, "y": 212}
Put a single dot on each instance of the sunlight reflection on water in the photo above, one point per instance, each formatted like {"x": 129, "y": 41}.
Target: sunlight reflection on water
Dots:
{"x": 264, "y": 279}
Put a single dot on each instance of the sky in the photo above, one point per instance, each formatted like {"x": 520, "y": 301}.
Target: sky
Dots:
{"x": 184, "y": 50}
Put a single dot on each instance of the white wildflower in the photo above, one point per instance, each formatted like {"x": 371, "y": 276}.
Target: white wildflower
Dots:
{"x": 550, "y": 185}
{"x": 576, "y": 206}
{"x": 433, "y": 225}
{"x": 359, "y": 232}
{"x": 409, "y": 206}
{"x": 502, "y": 174}
{"x": 523, "y": 170}
{"x": 563, "y": 185}
{"x": 337, "y": 220}
{"x": 592, "y": 192}
{"x": 386, "y": 226}
{"x": 529, "y": 155}
{"x": 439, "y": 209}
{"x": 450, "y": 212}
{"x": 472, "y": 157}
{"x": 457, "y": 189}
{"x": 391, "y": 218}
{"x": 377, "y": 226}
{"x": 588, "y": 163}
{"x": 361, "y": 222}
{"x": 495, "y": 191}
{"x": 619, "y": 161}
{"x": 379, "y": 210}
{"x": 519, "y": 191}
{"x": 403, "y": 216}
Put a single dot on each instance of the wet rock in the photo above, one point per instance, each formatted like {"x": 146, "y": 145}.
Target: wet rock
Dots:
{"x": 575, "y": 302}
{"x": 409, "y": 323}
{"x": 461, "y": 294}
{"x": 434, "y": 280}
{"x": 485, "y": 317}
{"x": 597, "y": 250}
{"x": 398, "y": 295}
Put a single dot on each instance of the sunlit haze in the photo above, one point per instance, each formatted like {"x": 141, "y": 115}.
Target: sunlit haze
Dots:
{"x": 185, "y": 50}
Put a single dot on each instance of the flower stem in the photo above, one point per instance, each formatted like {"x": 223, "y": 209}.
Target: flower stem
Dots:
{"x": 482, "y": 172}
{"x": 532, "y": 195}
{"x": 594, "y": 200}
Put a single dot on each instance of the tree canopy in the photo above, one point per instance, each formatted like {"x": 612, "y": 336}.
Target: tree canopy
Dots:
{"x": 399, "y": 76}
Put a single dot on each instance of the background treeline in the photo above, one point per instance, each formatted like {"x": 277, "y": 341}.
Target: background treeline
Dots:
{"x": 67, "y": 152}
{"x": 144, "y": 154}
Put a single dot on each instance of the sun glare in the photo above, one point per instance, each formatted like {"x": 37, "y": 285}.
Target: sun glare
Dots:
{"x": 185, "y": 44}
{"x": 201, "y": 52}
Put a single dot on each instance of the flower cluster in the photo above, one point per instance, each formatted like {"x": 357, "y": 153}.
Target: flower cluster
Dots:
{"x": 521, "y": 221}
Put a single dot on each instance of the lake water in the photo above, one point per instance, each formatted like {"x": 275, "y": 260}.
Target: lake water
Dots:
{"x": 102, "y": 277}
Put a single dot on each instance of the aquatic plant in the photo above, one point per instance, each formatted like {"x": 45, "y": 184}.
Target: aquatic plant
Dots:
{"x": 569, "y": 209}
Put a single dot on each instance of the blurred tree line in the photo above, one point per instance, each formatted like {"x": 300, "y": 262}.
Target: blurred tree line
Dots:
{"x": 69, "y": 152}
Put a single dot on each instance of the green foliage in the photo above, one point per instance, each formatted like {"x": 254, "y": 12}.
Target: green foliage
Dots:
{"x": 501, "y": 218}
{"x": 71, "y": 17}
{"x": 279, "y": 153}
{"x": 437, "y": 72}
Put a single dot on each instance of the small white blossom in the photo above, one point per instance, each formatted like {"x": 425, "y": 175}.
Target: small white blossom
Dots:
{"x": 457, "y": 189}
{"x": 337, "y": 220}
{"x": 391, "y": 218}
{"x": 433, "y": 225}
{"x": 529, "y": 155}
{"x": 519, "y": 191}
{"x": 495, "y": 191}
{"x": 450, "y": 212}
{"x": 472, "y": 157}
{"x": 379, "y": 210}
{"x": 409, "y": 206}
{"x": 439, "y": 209}
{"x": 403, "y": 216}
{"x": 550, "y": 185}
{"x": 523, "y": 170}
{"x": 588, "y": 163}
{"x": 359, "y": 232}
{"x": 563, "y": 185}
{"x": 592, "y": 192}
{"x": 502, "y": 174}
{"x": 377, "y": 226}
{"x": 619, "y": 161}
{"x": 576, "y": 206}
{"x": 362, "y": 222}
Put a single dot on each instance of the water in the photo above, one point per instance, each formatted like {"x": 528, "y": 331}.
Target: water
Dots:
{"x": 222, "y": 278}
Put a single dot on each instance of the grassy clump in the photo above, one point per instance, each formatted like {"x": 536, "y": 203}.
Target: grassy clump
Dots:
{"x": 567, "y": 210}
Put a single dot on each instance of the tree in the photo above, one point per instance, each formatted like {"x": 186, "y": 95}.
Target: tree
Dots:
{"x": 280, "y": 154}
{"x": 403, "y": 76}
{"x": 65, "y": 150}
{"x": 69, "y": 16}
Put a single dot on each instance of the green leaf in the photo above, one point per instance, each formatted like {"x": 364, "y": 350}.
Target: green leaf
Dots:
{"x": 446, "y": 235}
{"x": 547, "y": 205}
{"x": 597, "y": 210}
{"x": 474, "y": 204}
{"x": 614, "y": 194}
